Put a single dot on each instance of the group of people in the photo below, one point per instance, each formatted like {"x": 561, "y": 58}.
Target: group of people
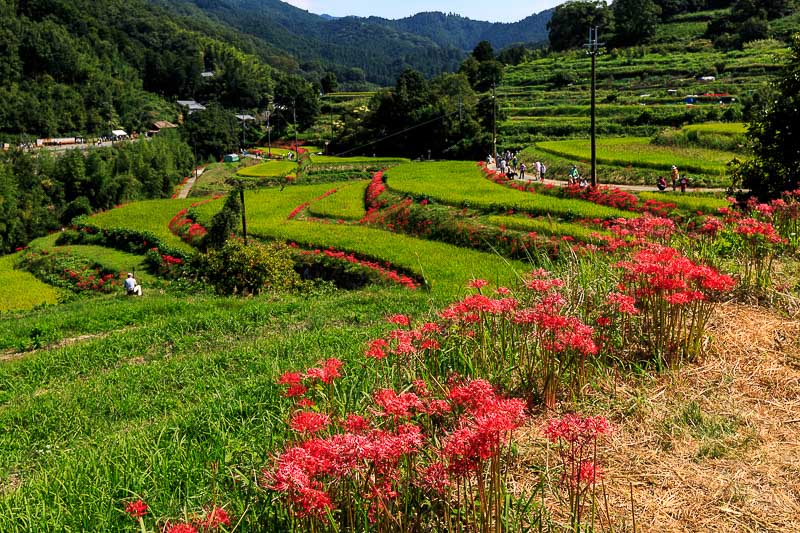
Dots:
{"x": 509, "y": 164}
{"x": 677, "y": 181}
{"x": 576, "y": 178}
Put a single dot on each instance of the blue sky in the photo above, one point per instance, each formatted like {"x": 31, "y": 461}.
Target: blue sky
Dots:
{"x": 506, "y": 11}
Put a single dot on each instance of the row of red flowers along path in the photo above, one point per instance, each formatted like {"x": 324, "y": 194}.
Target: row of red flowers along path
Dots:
{"x": 606, "y": 195}
{"x": 185, "y": 227}
{"x": 385, "y": 271}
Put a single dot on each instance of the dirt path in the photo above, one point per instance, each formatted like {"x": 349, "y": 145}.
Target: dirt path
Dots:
{"x": 187, "y": 188}
{"x": 624, "y": 187}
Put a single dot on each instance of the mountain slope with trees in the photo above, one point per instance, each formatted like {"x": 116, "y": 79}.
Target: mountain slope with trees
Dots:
{"x": 368, "y": 49}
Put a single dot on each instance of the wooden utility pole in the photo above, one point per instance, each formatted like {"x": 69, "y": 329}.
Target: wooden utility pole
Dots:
{"x": 244, "y": 217}
{"x": 593, "y": 48}
{"x": 494, "y": 123}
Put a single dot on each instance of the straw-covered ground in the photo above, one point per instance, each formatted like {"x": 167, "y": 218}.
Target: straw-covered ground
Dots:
{"x": 711, "y": 446}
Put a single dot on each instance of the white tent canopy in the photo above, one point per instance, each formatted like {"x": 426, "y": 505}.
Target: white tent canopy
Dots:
{"x": 119, "y": 133}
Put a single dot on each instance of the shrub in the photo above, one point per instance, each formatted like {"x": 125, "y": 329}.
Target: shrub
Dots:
{"x": 238, "y": 268}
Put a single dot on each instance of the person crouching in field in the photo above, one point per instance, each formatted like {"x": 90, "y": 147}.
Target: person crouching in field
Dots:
{"x": 132, "y": 288}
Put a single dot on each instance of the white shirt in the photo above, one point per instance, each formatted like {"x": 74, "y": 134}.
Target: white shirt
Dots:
{"x": 130, "y": 284}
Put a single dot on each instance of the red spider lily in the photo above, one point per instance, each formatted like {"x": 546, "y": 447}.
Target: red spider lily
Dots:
{"x": 136, "y": 509}
{"x": 397, "y": 405}
{"x": 309, "y": 422}
{"x": 180, "y": 528}
{"x": 477, "y": 284}
{"x": 400, "y": 320}
{"x": 376, "y": 349}
{"x": 215, "y": 518}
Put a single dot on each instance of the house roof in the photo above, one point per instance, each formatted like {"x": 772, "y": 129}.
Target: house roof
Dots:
{"x": 245, "y": 117}
{"x": 163, "y": 124}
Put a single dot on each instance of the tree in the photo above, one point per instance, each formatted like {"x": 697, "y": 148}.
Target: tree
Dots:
{"x": 635, "y": 21}
{"x": 483, "y": 51}
{"x": 329, "y": 83}
{"x": 213, "y": 132}
{"x": 774, "y": 135}
{"x": 225, "y": 223}
{"x": 569, "y": 26}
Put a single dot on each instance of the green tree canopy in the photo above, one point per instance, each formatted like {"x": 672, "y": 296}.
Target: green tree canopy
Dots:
{"x": 774, "y": 134}
{"x": 569, "y": 27}
{"x": 635, "y": 21}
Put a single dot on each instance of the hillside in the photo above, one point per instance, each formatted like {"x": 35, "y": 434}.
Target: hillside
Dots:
{"x": 86, "y": 66}
{"x": 373, "y": 48}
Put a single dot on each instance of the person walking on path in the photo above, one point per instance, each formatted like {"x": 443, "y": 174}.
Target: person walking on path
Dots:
{"x": 542, "y": 171}
{"x": 522, "y": 169}
{"x": 683, "y": 183}
{"x": 675, "y": 177}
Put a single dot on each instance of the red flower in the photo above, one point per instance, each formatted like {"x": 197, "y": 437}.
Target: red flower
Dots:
{"x": 180, "y": 528}
{"x": 400, "y": 320}
{"x": 216, "y": 517}
{"x": 136, "y": 509}
{"x": 309, "y": 422}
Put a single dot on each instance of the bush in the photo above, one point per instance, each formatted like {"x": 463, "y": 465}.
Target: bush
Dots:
{"x": 238, "y": 268}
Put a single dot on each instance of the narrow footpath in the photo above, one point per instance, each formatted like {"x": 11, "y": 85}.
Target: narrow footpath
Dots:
{"x": 187, "y": 188}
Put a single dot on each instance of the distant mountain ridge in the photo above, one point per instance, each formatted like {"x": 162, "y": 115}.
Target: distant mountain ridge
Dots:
{"x": 379, "y": 48}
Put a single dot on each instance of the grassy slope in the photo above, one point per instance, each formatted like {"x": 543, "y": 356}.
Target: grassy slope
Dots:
{"x": 463, "y": 184}
{"x": 269, "y": 169}
{"x": 149, "y": 215}
{"x": 637, "y": 151}
{"x": 446, "y": 267}
{"x": 346, "y": 204}
{"x": 175, "y": 386}
{"x": 21, "y": 290}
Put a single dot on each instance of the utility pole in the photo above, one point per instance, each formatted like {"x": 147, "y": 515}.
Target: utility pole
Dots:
{"x": 244, "y": 218}
{"x": 294, "y": 119}
{"x": 593, "y": 48}
{"x": 494, "y": 123}
{"x": 269, "y": 134}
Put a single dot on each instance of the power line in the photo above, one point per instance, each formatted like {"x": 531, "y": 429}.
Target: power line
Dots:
{"x": 440, "y": 117}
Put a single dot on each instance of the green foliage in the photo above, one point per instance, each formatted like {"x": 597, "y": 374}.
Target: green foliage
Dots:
{"x": 773, "y": 133}
{"x": 689, "y": 203}
{"x": 213, "y": 132}
{"x": 242, "y": 269}
{"x": 547, "y": 226}
{"x": 225, "y": 223}
{"x": 39, "y": 192}
{"x": 442, "y": 117}
{"x": 636, "y": 21}
{"x": 86, "y": 66}
{"x": 571, "y": 21}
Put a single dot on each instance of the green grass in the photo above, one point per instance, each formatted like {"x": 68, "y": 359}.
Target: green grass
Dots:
{"x": 347, "y": 203}
{"x": 719, "y": 128}
{"x": 274, "y": 151}
{"x": 545, "y": 226}
{"x": 109, "y": 258}
{"x": 334, "y": 160}
{"x": 639, "y": 152}
{"x": 461, "y": 183}
{"x": 21, "y": 290}
{"x": 149, "y": 215}
{"x": 146, "y": 408}
{"x": 705, "y": 203}
{"x": 444, "y": 266}
{"x": 269, "y": 169}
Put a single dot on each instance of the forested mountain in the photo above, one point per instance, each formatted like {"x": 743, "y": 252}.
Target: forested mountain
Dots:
{"x": 463, "y": 33}
{"x": 85, "y": 66}
{"x": 374, "y": 49}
